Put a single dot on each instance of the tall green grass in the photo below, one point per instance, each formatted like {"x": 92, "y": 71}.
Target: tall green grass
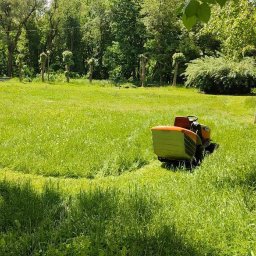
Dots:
{"x": 144, "y": 209}
{"x": 82, "y": 131}
{"x": 99, "y": 222}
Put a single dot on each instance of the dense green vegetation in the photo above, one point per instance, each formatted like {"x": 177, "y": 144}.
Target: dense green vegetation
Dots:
{"x": 79, "y": 130}
{"x": 221, "y": 75}
{"x": 116, "y": 33}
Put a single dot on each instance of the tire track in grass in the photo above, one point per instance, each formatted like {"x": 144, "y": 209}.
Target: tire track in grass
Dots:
{"x": 149, "y": 174}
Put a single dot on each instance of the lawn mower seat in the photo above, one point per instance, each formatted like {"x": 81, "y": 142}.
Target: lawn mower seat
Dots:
{"x": 183, "y": 122}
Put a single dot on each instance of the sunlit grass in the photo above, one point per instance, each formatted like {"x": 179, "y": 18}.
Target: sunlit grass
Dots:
{"x": 56, "y": 136}
{"x": 85, "y": 131}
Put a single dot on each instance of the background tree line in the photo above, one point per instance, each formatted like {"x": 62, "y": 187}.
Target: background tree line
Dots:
{"x": 114, "y": 34}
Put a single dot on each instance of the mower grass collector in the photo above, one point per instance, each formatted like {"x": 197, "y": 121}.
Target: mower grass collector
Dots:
{"x": 184, "y": 144}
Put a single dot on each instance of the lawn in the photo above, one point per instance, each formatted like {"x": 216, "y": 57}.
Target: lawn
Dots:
{"x": 79, "y": 177}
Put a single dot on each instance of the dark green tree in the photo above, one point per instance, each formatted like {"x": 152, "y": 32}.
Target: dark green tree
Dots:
{"x": 14, "y": 15}
{"x": 129, "y": 32}
{"x": 34, "y": 45}
{"x": 97, "y": 36}
{"x": 73, "y": 41}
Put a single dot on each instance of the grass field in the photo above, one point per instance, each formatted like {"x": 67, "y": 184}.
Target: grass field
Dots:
{"x": 78, "y": 175}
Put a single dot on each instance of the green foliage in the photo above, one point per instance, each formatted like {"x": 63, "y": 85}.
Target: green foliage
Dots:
{"x": 249, "y": 51}
{"x": 196, "y": 10}
{"x": 199, "y": 10}
{"x": 14, "y": 15}
{"x": 234, "y": 25}
{"x": 97, "y": 34}
{"x": 116, "y": 32}
{"x": 68, "y": 58}
{"x": 92, "y": 61}
{"x": 164, "y": 37}
{"x": 20, "y": 59}
{"x": 73, "y": 38}
{"x": 43, "y": 58}
{"x": 221, "y": 75}
{"x": 3, "y": 59}
{"x": 208, "y": 43}
{"x": 34, "y": 45}
{"x": 113, "y": 59}
{"x": 129, "y": 33}
{"x": 178, "y": 58}
{"x": 68, "y": 61}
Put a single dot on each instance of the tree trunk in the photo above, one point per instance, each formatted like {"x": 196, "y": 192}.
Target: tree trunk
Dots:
{"x": 175, "y": 74}
{"x": 20, "y": 72}
{"x": 48, "y": 68}
{"x": 10, "y": 62}
{"x": 67, "y": 73}
{"x": 42, "y": 71}
{"x": 143, "y": 73}
{"x": 91, "y": 73}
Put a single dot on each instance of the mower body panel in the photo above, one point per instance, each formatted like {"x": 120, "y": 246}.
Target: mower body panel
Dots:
{"x": 174, "y": 143}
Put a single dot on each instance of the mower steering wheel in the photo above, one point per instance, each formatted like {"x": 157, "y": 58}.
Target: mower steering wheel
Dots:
{"x": 192, "y": 118}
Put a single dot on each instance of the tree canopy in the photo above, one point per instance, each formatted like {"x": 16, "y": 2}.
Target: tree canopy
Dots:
{"x": 117, "y": 32}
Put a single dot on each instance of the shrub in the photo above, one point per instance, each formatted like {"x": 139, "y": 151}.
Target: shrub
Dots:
{"x": 221, "y": 75}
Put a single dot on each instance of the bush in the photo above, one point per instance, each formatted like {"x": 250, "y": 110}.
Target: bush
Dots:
{"x": 221, "y": 75}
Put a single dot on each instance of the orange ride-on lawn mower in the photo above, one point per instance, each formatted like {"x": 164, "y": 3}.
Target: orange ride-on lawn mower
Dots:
{"x": 184, "y": 144}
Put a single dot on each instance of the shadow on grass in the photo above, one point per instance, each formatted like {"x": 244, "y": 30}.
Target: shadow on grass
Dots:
{"x": 99, "y": 222}
{"x": 251, "y": 179}
{"x": 22, "y": 208}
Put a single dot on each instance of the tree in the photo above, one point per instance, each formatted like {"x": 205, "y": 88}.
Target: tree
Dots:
{"x": 34, "y": 44}
{"x": 97, "y": 36}
{"x": 20, "y": 63}
{"x": 129, "y": 32}
{"x": 22, "y": 48}
{"x": 163, "y": 37}
{"x": 234, "y": 25}
{"x": 42, "y": 61}
{"x": 73, "y": 40}
{"x": 48, "y": 64}
{"x": 91, "y": 62}
{"x": 53, "y": 19}
{"x": 68, "y": 61}
{"x": 177, "y": 58}
{"x": 143, "y": 63}
{"x": 14, "y": 14}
